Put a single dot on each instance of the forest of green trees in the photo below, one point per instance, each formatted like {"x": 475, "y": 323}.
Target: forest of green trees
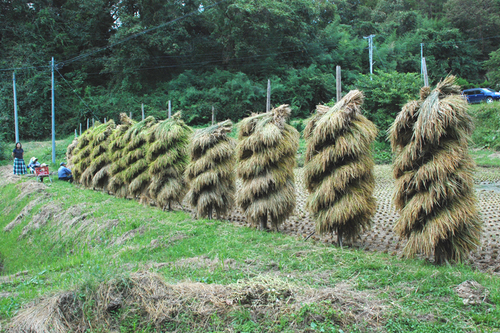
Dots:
{"x": 113, "y": 55}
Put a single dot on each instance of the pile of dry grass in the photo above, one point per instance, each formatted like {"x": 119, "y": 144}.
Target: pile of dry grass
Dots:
{"x": 154, "y": 304}
{"x": 211, "y": 170}
{"x": 339, "y": 168}
{"x": 266, "y": 157}
{"x": 167, "y": 156}
{"x": 434, "y": 175}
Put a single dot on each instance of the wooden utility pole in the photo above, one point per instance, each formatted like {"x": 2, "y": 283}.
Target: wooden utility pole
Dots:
{"x": 338, "y": 84}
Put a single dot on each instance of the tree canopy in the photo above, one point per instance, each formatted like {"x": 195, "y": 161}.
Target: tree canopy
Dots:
{"x": 114, "y": 55}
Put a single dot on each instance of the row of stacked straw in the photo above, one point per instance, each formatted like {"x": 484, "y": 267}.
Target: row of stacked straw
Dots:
{"x": 162, "y": 161}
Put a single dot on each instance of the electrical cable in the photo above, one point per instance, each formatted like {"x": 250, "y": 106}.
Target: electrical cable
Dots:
{"x": 74, "y": 91}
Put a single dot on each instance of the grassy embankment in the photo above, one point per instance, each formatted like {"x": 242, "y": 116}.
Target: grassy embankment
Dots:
{"x": 211, "y": 275}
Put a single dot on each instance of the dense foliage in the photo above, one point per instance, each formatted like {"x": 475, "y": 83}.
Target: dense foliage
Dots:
{"x": 113, "y": 55}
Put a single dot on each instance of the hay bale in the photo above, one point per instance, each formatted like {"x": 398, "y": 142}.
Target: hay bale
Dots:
{"x": 167, "y": 157}
{"x": 433, "y": 170}
{"x": 211, "y": 170}
{"x": 266, "y": 158}
{"x": 338, "y": 168}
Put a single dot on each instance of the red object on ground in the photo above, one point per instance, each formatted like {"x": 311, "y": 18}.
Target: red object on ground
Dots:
{"x": 42, "y": 171}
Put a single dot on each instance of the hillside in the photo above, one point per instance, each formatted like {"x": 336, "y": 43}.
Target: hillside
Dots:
{"x": 82, "y": 260}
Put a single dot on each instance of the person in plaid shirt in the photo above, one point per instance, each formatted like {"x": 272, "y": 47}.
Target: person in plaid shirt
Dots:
{"x": 19, "y": 165}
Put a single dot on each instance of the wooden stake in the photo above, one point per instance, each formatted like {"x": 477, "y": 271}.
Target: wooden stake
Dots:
{"x": 213, "y": 115}
{"x": 169, "y": 109}
{"x": 142, "y": 108}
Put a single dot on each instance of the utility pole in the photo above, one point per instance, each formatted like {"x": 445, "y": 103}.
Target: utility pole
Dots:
{"x": 142, "y": 108}
{"x": 370, "y": 47}
{"x": 53, "y": 117}
{"x": 338, "y": 83}
{"x": 268, "y": 103}
{"x": 169, "y": 109}
{"x": 213, "y": 115}
{"x": 421, "y": 58}
{"x": 15, "y": 106}
{"x": 424, "y": 69}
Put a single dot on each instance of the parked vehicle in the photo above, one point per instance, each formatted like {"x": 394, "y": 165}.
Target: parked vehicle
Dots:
{"x": 478, "y": 95}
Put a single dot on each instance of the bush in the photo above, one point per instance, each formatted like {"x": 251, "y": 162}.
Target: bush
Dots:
{"x": 385, "y": 95}
{"x": 487, "y": 125}
{"x": 3, "y": 149}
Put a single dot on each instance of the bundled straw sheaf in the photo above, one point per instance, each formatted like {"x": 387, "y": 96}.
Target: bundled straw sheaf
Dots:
{"x": 81, "y": 155}
{"x": 98, "y": 143}
{"x": 112, "y": 175}
{"x": 266, "y": 159}
{"x": 433, "y": 171}
{"x": 136, "y": 173}
{"x": 210, "y": 172}
{"x": 129, "y": 163}
{"x": 101, "y": 176}
{"x": 338, "y": 168}
{"x": 168, "y": 157}
{"x": 70, "y": 152}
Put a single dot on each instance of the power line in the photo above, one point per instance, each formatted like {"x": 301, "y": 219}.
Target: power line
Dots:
{"x": 74, "y": 91}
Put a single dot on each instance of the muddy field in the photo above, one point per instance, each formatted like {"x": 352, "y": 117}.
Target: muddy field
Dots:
{"x": 381, "y": 236}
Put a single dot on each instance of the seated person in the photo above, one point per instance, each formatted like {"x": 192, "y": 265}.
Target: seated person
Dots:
{"x": 33, "y": 164}
{"x": 64, "y": 173}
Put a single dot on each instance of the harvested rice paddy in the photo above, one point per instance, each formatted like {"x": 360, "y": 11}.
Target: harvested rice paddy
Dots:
{"x": 381, "y": 237}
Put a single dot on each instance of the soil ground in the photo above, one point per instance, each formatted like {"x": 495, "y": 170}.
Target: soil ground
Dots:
{"x": 382, "y": 238}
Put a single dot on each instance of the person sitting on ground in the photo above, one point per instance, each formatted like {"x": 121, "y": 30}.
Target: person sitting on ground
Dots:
{"x": 33, "y": 164}
{"x": 64, "y": 173}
